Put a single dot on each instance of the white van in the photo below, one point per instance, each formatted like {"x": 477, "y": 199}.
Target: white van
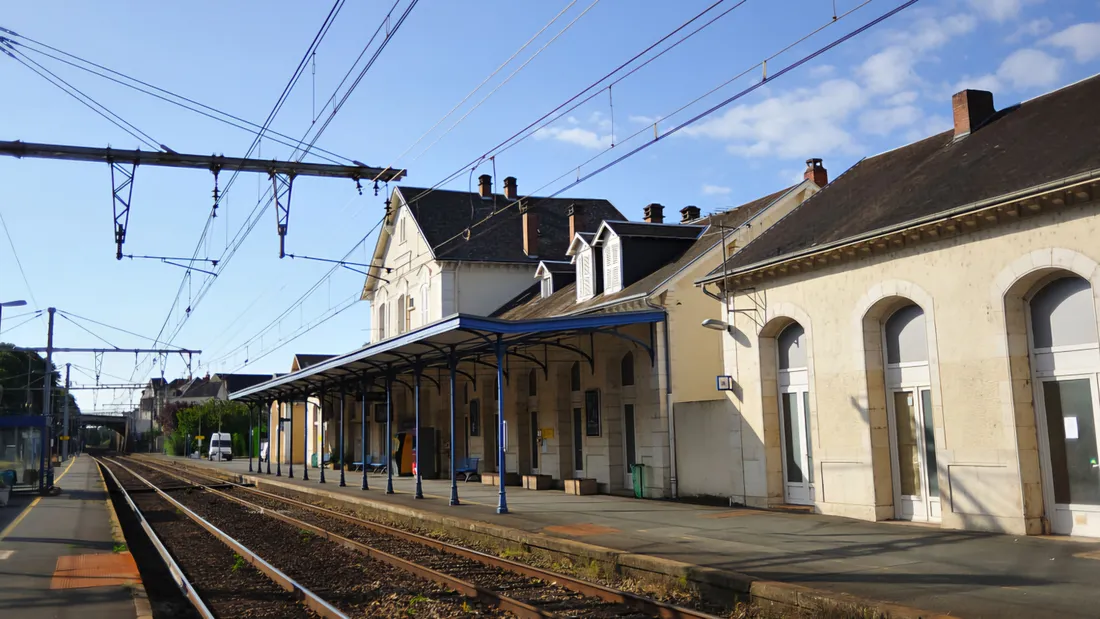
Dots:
{"x": 220, "y": 444}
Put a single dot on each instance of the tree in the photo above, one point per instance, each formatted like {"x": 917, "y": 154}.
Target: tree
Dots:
{"x": 21, "y": 379}
{"x": 168, "y": 414}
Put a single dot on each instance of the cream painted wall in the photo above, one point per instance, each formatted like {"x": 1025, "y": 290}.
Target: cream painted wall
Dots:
{"x": 482, "y": 287}
{"x": 956, "y": 282}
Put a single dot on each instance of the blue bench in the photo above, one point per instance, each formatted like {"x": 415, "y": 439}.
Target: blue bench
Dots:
{"x": 467, "y": 468}
{"x": 379, "y": 466}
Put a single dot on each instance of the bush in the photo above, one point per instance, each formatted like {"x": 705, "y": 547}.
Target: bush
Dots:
{"x": 240, "y": 445}
{"x": 176, "y": 444}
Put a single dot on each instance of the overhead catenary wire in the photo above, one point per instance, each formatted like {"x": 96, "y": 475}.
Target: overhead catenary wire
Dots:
{"x": 765, "y": 80}
{"x": 31, "y": 318}
{"x": 19, "y": 263}
{"x": 166, "y": 95}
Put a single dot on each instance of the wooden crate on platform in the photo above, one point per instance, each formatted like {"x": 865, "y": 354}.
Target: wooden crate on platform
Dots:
{"x": 586, "y": 485}
{"x": 538, "y": 482}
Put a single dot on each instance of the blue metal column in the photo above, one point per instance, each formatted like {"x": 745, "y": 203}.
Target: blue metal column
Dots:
{"x": 363, "y": 432}
{"x": 267, "y": 407}
{"x": 279, "y": 441}
{"x": 340, "y": 434}
{"x": 251, "y": 410}
{"x": 454, "y": 477}
{"x": 416, "y": 435}
{"x": 290, "y": 421}
{"x": 502, "y": 503}
{"x": 389, "y": 433}
{"x": 321, "y": 438}
{"x": 305, "y": 436}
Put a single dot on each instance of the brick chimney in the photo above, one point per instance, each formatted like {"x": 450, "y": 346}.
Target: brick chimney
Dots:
{"x": 655, "y": 214}
{"x": 689, "y": 214}
{"x": 971, "y": 108}
{"x": 530, "y": 229}
{"x": 510, "y": 191}
{"x": 485, "y": 186}
{"x": 576, "y": 220}
{"x": 816, "y": 172}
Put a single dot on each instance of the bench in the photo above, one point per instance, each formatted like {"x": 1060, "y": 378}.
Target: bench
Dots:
{"x": 379, "y": 466}
{"x": 467, "y": 468}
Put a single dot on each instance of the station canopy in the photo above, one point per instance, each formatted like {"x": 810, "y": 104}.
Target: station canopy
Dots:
{"x": 456, "y": 339}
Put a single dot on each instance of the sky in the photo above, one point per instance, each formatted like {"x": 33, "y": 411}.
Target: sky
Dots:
{"x": 884, "y": 88}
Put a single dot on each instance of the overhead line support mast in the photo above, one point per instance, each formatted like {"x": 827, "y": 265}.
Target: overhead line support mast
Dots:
{"x": 124, "y": 163}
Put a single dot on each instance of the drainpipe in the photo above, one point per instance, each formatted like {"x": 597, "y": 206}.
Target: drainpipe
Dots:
{"x": 668, "y": 403}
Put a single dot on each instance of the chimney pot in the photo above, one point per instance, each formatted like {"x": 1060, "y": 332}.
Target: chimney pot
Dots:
{"x": 971, "y": 108}
{"x": 485, "y": 186}
{"x": 510, "y": 191}
{"x": 655, "y": 213}
{"x": 816, "y": 172}
{"x": 689, "y": 214}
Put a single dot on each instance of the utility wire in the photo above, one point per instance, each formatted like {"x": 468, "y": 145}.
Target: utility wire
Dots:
{"x": 15, "y": 254}
{"x": 147, "y": 88}
{"x": 103, "y": 324}
{"x": 348, "y": 304}
{"x": 766, "y": 79}
{"x": 88, "y": 331}
{"x": 32, "y": 317}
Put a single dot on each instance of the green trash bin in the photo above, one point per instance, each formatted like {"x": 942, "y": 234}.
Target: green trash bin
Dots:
{"x": 637, "y": 475}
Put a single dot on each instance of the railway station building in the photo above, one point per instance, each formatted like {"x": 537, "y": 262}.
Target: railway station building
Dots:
{"x": 918, "y": 340}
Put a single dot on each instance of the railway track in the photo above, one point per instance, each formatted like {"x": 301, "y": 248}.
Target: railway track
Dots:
{"x": 239, "y": 565}
{"x": 521, "y": 589}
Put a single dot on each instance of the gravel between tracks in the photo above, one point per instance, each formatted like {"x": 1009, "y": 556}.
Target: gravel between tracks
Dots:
{"x": 210, "y": 565}
{"x": 539, "y": 593}
{"x": 352, "y": 582}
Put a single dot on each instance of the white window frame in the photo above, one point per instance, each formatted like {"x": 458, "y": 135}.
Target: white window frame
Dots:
{"x": 424, "y": 292}
{"x": 612, "y": 265}
{"x": 401, "y": 231}
{"x": 585, "y": 275}
{"x": 547, "y": 286}
{"x": 380, "y": 316}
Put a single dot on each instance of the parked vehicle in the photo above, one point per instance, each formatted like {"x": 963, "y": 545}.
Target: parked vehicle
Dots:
{"x": 221, "y": 447}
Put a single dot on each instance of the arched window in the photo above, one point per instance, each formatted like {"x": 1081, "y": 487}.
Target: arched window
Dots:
{"x": 627, "y": 370}
{"x": 382, "y": 320}
{"x": 792, "y": 347}
{"x": 532, "y": 384}
{"x": 1062, "y": 314}
{"x": 575, "y": 376}
{"x": 906, "y": 337}
{"x": 401, "y": 326}
{"x": 475, "y": 418}
{"x": 424, "y": 304}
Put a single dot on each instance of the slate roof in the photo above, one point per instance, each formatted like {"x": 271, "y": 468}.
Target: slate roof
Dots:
{"x": 530, "y": 304}
{"x": 306, "y": 360}
{"x": 443, "y": 215}
{"x": 236, "y": 382}
{"x": 655, "y": 231}
{"x": 559, "y": 266}
{"x": 1045, "y": 139}
{"x": 202, "y": 388}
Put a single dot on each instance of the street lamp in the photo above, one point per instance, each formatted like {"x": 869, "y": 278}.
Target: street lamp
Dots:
{"x": 18, "y": 303}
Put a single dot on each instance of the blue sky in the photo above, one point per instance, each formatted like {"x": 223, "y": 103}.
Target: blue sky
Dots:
{"x": 883, "y": 89}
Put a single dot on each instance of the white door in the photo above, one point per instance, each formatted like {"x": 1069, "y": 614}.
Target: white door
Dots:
{"x": 630, "y": 445}
{"x": 1068, "y": 413}
{"x": 798, "y": 461}
{"x": 913, "y": 450}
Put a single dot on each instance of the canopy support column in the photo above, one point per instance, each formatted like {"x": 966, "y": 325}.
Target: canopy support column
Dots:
{"x": 502, "y": 502}
{"x": 340, "y": 434}
{"x": 321, "y": 440}
{"x": 453, "y": 363}
{"x": 290, "y": 420}
{"x": 417, "y": 372}
{"x": 363, "y": 431}
{"x": 251, "y": 411}
{"x": 389, "y": 432}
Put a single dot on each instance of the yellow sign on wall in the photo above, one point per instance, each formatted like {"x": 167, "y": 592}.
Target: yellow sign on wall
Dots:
{"x": 545, "y": 433}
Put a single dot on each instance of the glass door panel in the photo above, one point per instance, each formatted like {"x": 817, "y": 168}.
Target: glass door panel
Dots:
{"x": 578, "y": 445}
{"x": 929, "y": 444}
{"x": 1071, "y": 429}
{"x": 792, "y": 438}
{"x": 908, "y": 448}
{"x": 794, "y": 421}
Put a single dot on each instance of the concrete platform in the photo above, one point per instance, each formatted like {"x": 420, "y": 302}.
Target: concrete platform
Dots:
{"x": 952, "y": 572}
{"x": 57, "y": 556}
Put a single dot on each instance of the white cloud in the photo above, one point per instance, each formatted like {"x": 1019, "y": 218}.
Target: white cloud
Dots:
{"x": 822, "y": 71}
{"x": 930, "y": 125}
{"x": 716, "y": 190}
{"x": 643, "y": 120}
{"x": 1082, "y": 39}
{"x": 572, "y": 120}
{"x": 902, "y": 98}
{"x": 887, "y": 120}
{"x": 998, "y": 10}
{"x": 575, "y": 135}
{"x": 1033, "y": 28}
{"x": 1023, "y": 69}
{"x": 1030, "y": 68}
{"x": 893, "y": 69}
{"x": 796, "y": 124}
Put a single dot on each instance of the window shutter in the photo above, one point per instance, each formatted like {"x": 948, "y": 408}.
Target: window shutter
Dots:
{"x": 584, "y": 277}
{"x": 612, "y": 275}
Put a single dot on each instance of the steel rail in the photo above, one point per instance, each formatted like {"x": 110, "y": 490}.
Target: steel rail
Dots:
{"x": 309, "y": 598}
{"x": 468, "y": 589}
{"x": 177, "y": 574}
{"x": 607, "y": 594}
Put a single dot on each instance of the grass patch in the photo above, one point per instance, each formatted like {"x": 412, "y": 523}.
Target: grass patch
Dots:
{"x": 238, "y": 562}
{"x": 416, "y": 599}
{"x": 119, "y": 548}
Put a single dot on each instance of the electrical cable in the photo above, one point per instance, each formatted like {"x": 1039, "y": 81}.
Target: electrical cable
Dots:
{"x": 765, "y": 80}
{"x": 88, "y": 331}
{"x": 18, "y": 263}
{"x": 31, "y": 319}
{"x": 103, "y": 324}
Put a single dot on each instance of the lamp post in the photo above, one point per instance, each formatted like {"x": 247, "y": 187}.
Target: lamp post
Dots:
{"x": 18, "y": 303}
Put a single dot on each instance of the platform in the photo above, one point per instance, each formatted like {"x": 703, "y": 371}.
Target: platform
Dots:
{"x": 957, "y": 572}
{"x": 58, "y": 554}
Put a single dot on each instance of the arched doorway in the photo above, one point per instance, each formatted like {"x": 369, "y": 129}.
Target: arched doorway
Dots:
{"x": 910, "y": 416}
{"x": 794, "y": 415}
{"x": 1065, "y": 363}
